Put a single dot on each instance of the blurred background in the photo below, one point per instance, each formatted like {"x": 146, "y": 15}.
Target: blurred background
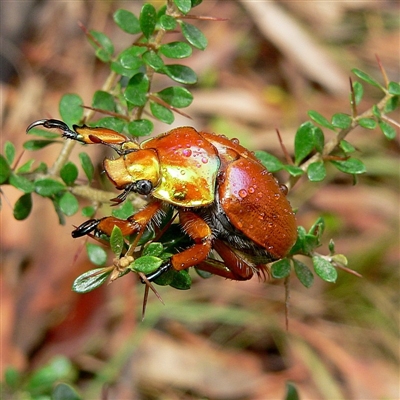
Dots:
{"x": 264, "y": 68}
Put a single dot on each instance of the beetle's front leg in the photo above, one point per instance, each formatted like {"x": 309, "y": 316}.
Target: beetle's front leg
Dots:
{"x": 83, "y": 134}
{"x": 136, "y": 223}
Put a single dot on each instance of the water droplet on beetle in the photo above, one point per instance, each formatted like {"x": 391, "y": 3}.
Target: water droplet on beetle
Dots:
{"x": 277, "y": 196}
{"x": 204, "y": 160}
{"x": 242, "y": 193}
{"x": 235, "y": 141}
{"x": 187, "y": 152}
{"x": 251, "y": 190}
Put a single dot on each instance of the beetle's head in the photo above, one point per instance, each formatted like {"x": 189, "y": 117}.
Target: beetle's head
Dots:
{"x": 137, "y": 171}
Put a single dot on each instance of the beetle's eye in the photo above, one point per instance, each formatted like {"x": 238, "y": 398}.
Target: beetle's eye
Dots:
{"x": 143, "y": 186}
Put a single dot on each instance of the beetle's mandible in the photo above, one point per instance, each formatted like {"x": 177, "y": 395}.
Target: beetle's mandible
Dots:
{"x": 226, "y": 200}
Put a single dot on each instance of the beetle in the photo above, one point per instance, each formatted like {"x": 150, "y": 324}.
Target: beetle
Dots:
{"x": 225, "y": 198}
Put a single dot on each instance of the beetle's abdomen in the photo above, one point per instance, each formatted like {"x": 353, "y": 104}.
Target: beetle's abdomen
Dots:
{"x": 255, "y": 205}
{"x": 189, "y": 166}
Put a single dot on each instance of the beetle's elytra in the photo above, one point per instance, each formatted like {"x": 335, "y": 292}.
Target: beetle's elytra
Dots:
{"x": 226, "y": 200}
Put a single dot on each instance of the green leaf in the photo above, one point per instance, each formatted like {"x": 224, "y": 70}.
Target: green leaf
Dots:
{"x": 43, "y": 133}
{"x": 319, "y": 139}
{"x": 26, "y": 167}
{"x": 387, "y": 130}
{"x": 162, "y": 113}
{"x": 180, "y": 73}
{"x": 114, "y": 123}
{"x": 140, "y": 127}
{"x": 376, "y": 112}
{"x": 342, "y": 121}
{"x": 12, "y": 377}
{"x": 153, "y": 60}
{"x": 102, "y": 44}
{"x": 303, "y": 273}
{"x": 365, "y": 77}
{"x": 269, "y": 161}
{"x": 117, "y": 241}
{"x": 60, "y": 368}
{"x": 137, "y": 90}
{"x": 350, "y": 166}
{"x": 69, "y": 204}
{"x": 394, "y": 88}
{"x": 320, "y": 119}
{"x": 291, "y": 392}
{"x": 167, "y": 22}
{"x": 131, "y": 58}
{"x": 281, "y": 269}
{"x": 47, "y": 187}
{"x": 176, "y": 50}
{"x": 193, "y": 35}
{"x": 120, "y": 70}
{"x": 324, "y": 269}
{"x": 104, "y": 101}
{"x": 183, "y": 6}
{"x": 96, "y": 254}
{"x": 71, "y": 109}
{"x": 196, "y": 2}
{"x": 153, "y": 249}
{"x": 148, "y": 19}
{"x": 181, "y": 280}
{"x": 9, "y": 152}
{"x": 124, "y": 211}
{"x": 33, "y": 145}
{"x": 303, "y": 141}
{"x": 21, "y": 183}
{"x": 127, "y": 21}
{"x": 87, "y": 165}
{"x": 69, "y": 173}
{"x": 293, "y": 170}
{"x": 176, "y": 96}
{"x": 62, "y": 391}
{"x": 347, "y": 147}
{"x": 392, "y": 104}
{"x": 90, "y": 280}
{"x": 88, "y": 211}
{"x": 316, "y": 171}
{"x": 5, "y": 170}
{"x": 367, "y": 123}
{"x": 146, "y": 264}
{"x": 23, "y": 207}
{"x": 358, "y": 90}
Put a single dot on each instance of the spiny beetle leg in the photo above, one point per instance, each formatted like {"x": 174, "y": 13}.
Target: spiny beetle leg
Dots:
{"x": 85, "y": 228}
{"x": 157, "y": 273}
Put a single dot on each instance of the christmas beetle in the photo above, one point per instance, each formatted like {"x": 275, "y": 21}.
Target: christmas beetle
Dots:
{"x": 225, "y": 198}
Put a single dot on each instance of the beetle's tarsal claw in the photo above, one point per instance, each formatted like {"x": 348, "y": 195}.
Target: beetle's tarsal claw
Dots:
{"x": 54, "y": 123}
{"x": 85, "y": 228}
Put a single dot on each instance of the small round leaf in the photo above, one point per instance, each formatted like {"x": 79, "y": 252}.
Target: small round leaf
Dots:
{"x": 48, "y": 187}
{"x": 23, "y": 207}
{"x": 303, "y": 273}
{"x": 140, "y": 127}
{"x": 69, "y": 173}
{"x": 87, "y": 165}
{"x": 127, "y": 21}
{"x": 148, "y": 19}
{"x": 281, "y": 269}
{"x": 176, "y": 50}
{"x": 70, "y": 108}
{"x": 162, "y": 113}
{"x": 180, "y": 73}
{"x": 90, "y": 280}
{"x": 96, "y": 254}
{"x": 316, "y": 171}
{"x": 69, "y": 204}
{"x": 193, "y": 35}
{"x": 176, "y": 96}
{"x": 324, "y": 269}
